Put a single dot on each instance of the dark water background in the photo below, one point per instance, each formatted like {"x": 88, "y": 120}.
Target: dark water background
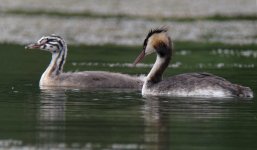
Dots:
{"x": 113, "y": 119}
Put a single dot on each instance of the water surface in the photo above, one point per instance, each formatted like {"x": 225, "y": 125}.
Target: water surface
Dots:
{"x": 112, "y": 119}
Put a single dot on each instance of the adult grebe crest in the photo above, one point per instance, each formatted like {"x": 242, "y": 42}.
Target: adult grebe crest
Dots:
{"x": 188, "y": 84}
{"x": 54, "y": 75}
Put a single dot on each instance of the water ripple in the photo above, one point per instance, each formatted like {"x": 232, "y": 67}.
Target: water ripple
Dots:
{"x": 234, "y": 52}
{"x": 173, "y": 65}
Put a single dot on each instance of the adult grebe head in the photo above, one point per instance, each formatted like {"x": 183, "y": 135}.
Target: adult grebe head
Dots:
{"x": 51, "y": 43}
{"x": 157, "y": 41}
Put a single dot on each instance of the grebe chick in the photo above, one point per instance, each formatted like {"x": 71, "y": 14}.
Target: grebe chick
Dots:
{"x": 54, "y": 75}
{"x": 185, "y": 85}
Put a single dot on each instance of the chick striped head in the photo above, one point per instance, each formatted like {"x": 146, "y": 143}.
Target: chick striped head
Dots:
{"x": 51, "y": 43}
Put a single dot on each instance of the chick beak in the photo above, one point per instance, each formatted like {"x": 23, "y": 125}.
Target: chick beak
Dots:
{"x": 140, "y": 57}
{"x": 33, "y": 46}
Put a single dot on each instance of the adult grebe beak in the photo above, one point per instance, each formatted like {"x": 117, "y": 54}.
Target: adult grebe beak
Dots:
{"x": 140, "y": 57}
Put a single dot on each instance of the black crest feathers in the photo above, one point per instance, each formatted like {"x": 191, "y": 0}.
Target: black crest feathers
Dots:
{"x": 153, "y": 31}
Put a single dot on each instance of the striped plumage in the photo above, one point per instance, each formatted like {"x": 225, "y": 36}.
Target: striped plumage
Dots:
{"x": 188, "y": 84}
{"x": 54, "y": 75}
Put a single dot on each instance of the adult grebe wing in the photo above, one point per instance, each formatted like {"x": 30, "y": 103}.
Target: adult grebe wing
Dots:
{"x": 192, "y": 81}
{"x": 201, "y": 81}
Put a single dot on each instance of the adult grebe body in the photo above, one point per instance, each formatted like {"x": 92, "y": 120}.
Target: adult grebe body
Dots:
{"x": 54, "y": 75}
{"x": 188, "y": 84}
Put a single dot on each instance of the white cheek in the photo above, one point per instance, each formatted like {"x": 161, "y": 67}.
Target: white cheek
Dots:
{"x": 53, "y": 48}
{"x": 48, "y": 47}
{"x": 149, "y": 49}
{"x": 42, "y": 47}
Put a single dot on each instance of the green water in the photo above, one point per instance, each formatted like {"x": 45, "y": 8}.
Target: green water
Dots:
{"x": 34, "y": 118}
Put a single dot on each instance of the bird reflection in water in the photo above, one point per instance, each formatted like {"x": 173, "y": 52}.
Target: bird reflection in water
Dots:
{"x": 51, "y": 114}
{"x": 156, "y": 123}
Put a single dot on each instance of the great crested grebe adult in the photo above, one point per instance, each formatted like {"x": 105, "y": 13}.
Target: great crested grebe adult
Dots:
{"x": 187, "y": 84}
{"x": 54, "y": 75}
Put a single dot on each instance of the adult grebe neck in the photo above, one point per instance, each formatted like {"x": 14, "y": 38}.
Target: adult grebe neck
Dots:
{"x": 162, "y": 61}
{"x": 155, "y": 75}
{"x": 56, "y": 65}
